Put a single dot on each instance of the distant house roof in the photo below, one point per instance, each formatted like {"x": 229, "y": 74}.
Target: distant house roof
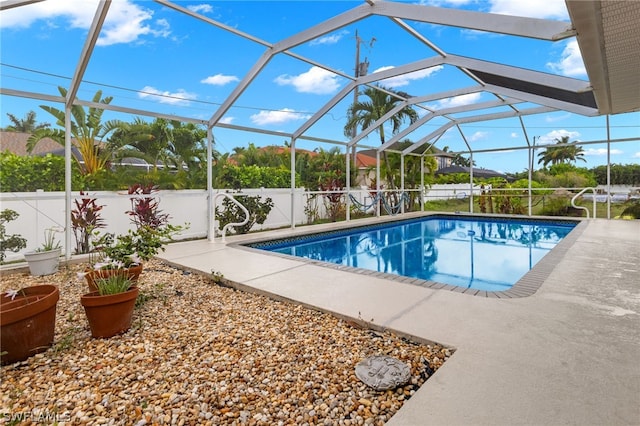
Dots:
{"x": 16, "y": 143}
{"x": 367, "y": 157}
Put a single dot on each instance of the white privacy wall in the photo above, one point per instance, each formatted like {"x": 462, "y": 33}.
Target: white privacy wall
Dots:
{"x": 41, "y": 210}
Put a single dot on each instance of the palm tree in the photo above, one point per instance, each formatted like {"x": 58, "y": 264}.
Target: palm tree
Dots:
{"x": 187, "y": 147}
{"x": 87, "y": 131}
{"x": 568, "y": 152}
{"x": 26, "y": 125}
{"x": 363, "y": 114}
{"x": 148, "y": 141}
{"x": 248, "y": 156}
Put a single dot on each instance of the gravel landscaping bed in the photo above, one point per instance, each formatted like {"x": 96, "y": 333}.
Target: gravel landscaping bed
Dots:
{"x": 200, "y": 353}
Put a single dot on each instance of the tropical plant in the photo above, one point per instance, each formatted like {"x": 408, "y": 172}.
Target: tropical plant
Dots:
{"x": 145, "y": 211}
{"x": 28, "y": 124}
{"x": 187, "y": 148}
{"x": 567, "y": 152}
{"x": 85, "y": 220}
{"x": 141, "y": 139}
{"x": 363, "y": 114}
{"x": 9, "y": 242}
{"x": 412, "y": 170}
{"x": 87, "y": 130}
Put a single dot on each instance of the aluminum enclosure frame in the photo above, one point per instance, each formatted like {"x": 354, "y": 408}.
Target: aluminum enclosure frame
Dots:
{"x": 510, "y": 86}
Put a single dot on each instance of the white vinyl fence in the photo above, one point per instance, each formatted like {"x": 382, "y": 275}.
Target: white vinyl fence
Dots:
{"x": 41, "y": 210}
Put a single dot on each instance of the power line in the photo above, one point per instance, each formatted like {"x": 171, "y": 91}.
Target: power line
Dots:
{"x": 126, "y": 89}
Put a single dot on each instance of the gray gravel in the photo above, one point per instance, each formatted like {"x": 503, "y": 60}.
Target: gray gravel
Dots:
{"x": 200, "y": 353}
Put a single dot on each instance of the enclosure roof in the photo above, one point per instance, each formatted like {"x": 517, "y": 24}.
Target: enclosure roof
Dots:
{"x": 607, "y": 33}
{"x": 609, "y": 37}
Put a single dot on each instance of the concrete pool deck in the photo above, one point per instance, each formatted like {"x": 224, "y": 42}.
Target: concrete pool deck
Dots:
{"x": 568, "y": 354}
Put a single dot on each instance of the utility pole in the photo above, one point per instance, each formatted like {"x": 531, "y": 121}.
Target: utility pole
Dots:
{"x": 361, "y": 68}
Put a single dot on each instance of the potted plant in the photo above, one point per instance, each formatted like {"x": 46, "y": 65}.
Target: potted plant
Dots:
{"x": 27, "y": 321}
{"x": 128, "y": 251}
{"x": 12, "y": 242}
{"x": 125, "y": 253}
{"x": 46, "y": 259}
{"x": 109, "y": 309}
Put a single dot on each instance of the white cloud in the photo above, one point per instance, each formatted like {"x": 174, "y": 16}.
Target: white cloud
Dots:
{"x": 317, "y": 80}
{"x": 227, "y": 120}
{"x": 126, "y": 22}
{"x": 548, "y": 9}
{"x": 636, "y": 155}
{"x": 329, "y": 39}
{"x": 219, "y": 79}
{"x": 24, "y": 16}
{"x": 181, "y": 97}
{"x": 570, "y": 62}
{"x": 478, "y": 136}
{"x": 278, "y": 117}
{"x": 458, "y": 100}
{"x": 404, "y": 80}
{"x": 514, "y": 135}
{"x": 200, "y": 8}
{"x": 550, "y": 138}
{"x": 598, "y": 152}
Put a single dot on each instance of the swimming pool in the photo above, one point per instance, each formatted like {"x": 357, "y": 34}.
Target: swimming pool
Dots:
{"x": 470, "y": 252}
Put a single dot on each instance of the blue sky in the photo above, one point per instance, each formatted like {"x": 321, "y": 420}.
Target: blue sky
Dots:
{"x": 153, "y": 58}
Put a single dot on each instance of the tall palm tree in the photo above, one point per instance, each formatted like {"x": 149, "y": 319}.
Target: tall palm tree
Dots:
{"x": 568, "y": 152}
{"x": 27, "y": 124}
{"x": 87, "y": 132}
{"x": 364, "y": 113}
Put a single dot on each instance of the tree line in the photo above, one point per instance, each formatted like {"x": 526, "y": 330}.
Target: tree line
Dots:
{"x": 175, "y": 154}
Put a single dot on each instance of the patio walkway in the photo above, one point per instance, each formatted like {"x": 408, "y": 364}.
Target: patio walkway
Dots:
{"x": 569, "y": 354}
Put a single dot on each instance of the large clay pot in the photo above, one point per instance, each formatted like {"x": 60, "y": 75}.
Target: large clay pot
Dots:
{"x": 110, "y": 314}
{"x": 92, "y": 275}
{"x": 27, "y": 322}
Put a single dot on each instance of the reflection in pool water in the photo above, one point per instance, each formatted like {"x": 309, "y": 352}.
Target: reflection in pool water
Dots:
{"x": 479, "y": 253}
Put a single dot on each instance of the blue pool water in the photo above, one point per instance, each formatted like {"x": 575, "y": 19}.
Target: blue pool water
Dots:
{"x": 479, "y": 253}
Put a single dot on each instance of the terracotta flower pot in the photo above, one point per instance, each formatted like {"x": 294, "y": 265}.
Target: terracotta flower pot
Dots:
{"x": 133, "y": 273}
{"x": 110, "y": 314}
{"x": 27, "y": 322}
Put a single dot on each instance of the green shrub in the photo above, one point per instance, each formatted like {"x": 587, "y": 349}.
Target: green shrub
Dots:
{"x": 231, "y": 213}
{"x": 632, "y": 211}
{"x": 236, "y": 177}
{"x": 30, "y": 173}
